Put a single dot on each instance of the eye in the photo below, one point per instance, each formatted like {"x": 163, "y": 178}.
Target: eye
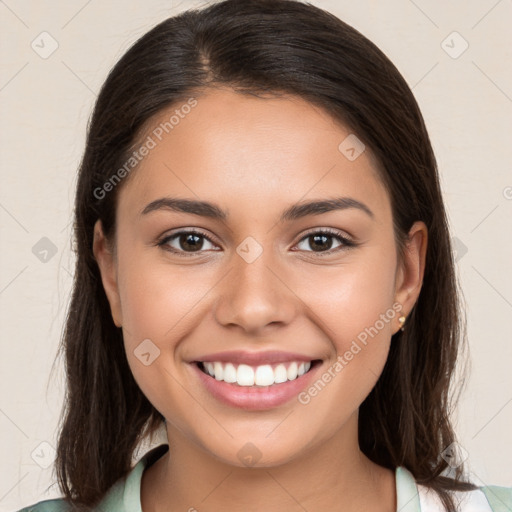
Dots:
{"x": 321, "y": 241}
{"x": 185, "y": 242}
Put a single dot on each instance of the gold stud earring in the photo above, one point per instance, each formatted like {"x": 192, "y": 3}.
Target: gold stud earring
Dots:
{"x": 401, "y": 320}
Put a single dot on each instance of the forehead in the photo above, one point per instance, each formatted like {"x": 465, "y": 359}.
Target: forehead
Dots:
{"x": 257, "y": 151}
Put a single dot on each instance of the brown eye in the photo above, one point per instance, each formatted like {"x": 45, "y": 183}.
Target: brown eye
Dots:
{"x": 187, "y": 242}
{"x": 325, "y": 241}
{"x": 190, "y": 242}
{"x": 320, "y": 242}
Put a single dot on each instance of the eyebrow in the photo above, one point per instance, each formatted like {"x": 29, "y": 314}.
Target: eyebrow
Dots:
{"x": 294, "y": 212}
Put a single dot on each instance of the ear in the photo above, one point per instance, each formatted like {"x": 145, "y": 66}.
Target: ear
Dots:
{"x": 108, "y": 270}
{"x": 409, "y": 277}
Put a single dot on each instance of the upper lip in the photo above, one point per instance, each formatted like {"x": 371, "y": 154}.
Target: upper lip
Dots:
{"x": 254, "y": 358}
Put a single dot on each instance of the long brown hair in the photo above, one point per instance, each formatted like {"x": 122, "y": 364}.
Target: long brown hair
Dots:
{"x": 277, "y": 46}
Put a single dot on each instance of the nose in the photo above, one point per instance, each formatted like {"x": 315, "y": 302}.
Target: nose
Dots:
{"x": 255, "y": 296}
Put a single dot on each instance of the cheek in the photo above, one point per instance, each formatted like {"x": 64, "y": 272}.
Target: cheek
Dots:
{"x": 157, "y": 303}
{"x": 157, "y": 299}
{"x": 355, "y": 306}
{"x": 353, "y": 296}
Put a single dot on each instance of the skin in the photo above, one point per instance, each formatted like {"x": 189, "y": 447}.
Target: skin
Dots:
{"x": 255, "y": 157}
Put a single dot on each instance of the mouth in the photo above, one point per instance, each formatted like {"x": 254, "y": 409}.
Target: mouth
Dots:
{"x": 257, "y": 380}
{"x": 266, "y": 375}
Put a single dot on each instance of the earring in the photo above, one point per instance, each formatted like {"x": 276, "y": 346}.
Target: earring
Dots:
{"x": 401, "y": 320}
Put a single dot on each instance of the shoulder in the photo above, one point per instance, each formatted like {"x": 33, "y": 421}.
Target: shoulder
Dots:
{"x": 499, "y": 497}
{"x": 126, "y": 491}
{"x": 415, "y": 497}
{"x": 56, "y": 505}
{"x": 490, "y": 498}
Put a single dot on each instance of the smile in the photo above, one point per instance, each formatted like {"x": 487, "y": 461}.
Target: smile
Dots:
{"x": 262, "y": 375}
{"x": 255, "y": 386}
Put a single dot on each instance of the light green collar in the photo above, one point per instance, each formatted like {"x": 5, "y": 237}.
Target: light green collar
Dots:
{"x": 407, "y": 498}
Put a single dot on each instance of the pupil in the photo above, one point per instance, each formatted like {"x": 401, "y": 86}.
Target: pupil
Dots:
{"x": 191, "y": 241}
{"x": 322, "y": 239}
{"x": 195, "y": 242}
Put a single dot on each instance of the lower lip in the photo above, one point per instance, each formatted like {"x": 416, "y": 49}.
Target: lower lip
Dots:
{"x": 255, "y": 397}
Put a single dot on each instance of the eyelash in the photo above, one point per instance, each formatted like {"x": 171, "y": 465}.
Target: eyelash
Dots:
{"x": 346, "y": 242}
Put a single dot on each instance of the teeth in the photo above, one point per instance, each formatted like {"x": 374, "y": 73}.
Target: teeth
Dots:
{"x": 292, "y": 371}
{"x": 219, "y": 371}
{"x": 264, "y": 375}
{"x": 209, "y": 369}
{"x": 244, "y": 375}
{"x": 280, "y": 374}
{"x": 229, "y": 373}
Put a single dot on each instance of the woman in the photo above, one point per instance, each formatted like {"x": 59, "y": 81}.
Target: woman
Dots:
{"x": 264, "y": 267}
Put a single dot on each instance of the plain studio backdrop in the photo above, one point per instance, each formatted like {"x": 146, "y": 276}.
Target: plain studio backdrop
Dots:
{"x": 456, "y": 57}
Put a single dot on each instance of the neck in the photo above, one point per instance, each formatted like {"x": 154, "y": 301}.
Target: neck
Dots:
{"x": 335, "y": 475}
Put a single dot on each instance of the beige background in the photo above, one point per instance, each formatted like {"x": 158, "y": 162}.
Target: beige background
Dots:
{"x": 45, "y": 102}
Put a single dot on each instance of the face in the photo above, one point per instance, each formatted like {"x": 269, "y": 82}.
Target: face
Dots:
{"x": 256, "y": 288}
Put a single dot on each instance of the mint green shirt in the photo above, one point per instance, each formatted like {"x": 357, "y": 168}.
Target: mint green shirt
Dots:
{"x": 124, "y": 495}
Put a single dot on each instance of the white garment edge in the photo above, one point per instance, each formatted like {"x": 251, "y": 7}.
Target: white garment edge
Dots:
{"x": 469, "y": 501}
